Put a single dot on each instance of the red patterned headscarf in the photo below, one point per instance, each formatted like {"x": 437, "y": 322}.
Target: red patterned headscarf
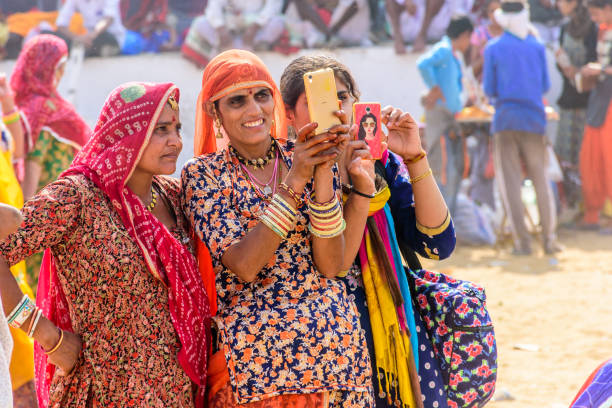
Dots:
{"x": 35, "y": 94}
{"x": 121, "y": 135}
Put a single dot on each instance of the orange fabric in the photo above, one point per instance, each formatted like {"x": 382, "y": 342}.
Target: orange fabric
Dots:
{"x": 220, "y": 393}
{"x": 218, "y": 374}
{"x": 596, "y": 168}
{"x": 22, "y": 23}
{"x": 227, "y": 72}
{"x": 207, "y": 273}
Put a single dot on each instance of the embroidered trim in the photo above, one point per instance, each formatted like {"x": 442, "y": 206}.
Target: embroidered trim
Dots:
{"x": 430, "y": 232}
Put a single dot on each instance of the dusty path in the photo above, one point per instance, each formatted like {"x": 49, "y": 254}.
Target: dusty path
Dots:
{"x": 563, "y": 305}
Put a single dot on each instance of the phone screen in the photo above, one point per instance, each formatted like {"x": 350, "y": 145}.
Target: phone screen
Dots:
{"x": 367, "y": 118}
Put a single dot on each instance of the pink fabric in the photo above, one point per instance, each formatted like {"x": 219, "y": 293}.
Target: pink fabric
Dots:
{"x": 381, "y": 221}
{"x": 51, "y": 300}
{"x": 35, "y": 94}
{"x": 122, "y": 133}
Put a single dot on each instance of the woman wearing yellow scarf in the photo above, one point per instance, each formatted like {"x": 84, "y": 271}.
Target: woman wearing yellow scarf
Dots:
{"x": 11, "y": 148}
{"x": 403, "y": 189}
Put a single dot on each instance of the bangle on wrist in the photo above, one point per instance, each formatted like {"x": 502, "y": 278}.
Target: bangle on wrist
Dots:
{"x": 421, "y": 177}
{"x": 59, "y": 343}
{"x": 34, "y": 324}
{"x": 352, "y": 189}
{"x": 416, "y": 158}
{"x": 11, "y": 118}
{"x": 295, "y": 196}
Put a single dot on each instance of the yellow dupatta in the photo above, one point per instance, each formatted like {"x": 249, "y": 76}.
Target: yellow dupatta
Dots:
{"x": 391, "y": 344}
{"x": 22, "y": 360}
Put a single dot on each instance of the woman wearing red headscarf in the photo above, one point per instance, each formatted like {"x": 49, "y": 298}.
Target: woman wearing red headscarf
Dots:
{"x": 268, "y": 210}
{"x": 122, "y": 317}
{"x": 54, "y": 130}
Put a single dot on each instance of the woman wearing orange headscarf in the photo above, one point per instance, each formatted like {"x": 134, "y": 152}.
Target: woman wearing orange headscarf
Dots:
{"x": 287, "y": 331}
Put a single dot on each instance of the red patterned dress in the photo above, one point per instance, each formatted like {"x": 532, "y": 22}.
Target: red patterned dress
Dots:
{"x": 117, "y": 306}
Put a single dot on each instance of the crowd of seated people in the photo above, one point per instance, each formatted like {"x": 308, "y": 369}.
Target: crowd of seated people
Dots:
{"x": 203, "y": 28}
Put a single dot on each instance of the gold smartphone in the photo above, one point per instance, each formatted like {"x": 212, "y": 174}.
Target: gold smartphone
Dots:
{"x": 322, "y": 98}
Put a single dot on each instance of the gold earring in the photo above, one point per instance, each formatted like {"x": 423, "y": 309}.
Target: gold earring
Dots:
{"x": 218, "y": 126}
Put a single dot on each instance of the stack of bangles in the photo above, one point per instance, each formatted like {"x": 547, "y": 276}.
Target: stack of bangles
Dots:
{"x": 11, "y": 118}
{"x": 279, "y": 216}
{"x": 22, "y": 312}
{"x": 326, "y": 219}
{"x": 24, "y": 309}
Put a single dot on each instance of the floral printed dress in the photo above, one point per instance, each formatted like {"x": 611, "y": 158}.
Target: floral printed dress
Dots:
{"x": 291, "y": 330}
{"x": 116, "y": 305}
{"x": 53, "y": 157}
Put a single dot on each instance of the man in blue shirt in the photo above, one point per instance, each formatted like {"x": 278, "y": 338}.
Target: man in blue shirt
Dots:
{"x": 441, "y": 71}
{"x": 515, "y": 78}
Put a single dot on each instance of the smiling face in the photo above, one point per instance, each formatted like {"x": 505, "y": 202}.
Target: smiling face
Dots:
{"x": 165, "y": 144}
{"x": 247, "y": 115}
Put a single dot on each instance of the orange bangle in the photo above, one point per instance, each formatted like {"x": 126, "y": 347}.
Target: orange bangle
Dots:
{"x": 417, "y": 158}
{"x": 59, "y": 343}
{"x": 32, "y": 318}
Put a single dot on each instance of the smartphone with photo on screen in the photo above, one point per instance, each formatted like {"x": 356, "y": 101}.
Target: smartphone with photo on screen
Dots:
{"x": 322, "y": 98}
{"x": 367, "y": 118}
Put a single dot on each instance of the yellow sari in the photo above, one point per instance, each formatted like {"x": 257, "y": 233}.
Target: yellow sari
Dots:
{"x": 22, "y": 361}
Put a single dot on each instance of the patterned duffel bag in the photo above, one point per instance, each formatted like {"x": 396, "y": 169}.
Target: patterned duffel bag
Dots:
{"x": 462, "y": 333}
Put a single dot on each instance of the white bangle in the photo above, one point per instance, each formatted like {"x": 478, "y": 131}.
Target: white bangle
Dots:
{"x": 36, "y": 319}
{"x": 21, "y": 312}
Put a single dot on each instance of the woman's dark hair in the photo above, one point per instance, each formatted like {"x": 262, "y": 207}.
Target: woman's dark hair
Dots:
{"x": 362, "y": 133}
{"x": 599, "y": 3}
{"x": 580, "y": 24}
{"x": 458, "y": 25}
{"x": 292, "y": 80}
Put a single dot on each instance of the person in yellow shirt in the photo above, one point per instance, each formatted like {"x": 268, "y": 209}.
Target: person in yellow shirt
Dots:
{"x": 11, "y": 148}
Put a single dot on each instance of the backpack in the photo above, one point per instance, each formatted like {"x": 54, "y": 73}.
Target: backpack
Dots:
{"x": 462, "y": 333}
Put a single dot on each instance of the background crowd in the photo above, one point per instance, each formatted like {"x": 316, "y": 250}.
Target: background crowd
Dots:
{"x": 111, "y": 27}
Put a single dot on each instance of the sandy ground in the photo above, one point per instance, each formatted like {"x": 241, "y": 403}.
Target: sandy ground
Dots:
{"x": 562, "y": 305}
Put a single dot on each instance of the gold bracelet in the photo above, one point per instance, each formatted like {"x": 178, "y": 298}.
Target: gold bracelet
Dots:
{"x": 417, "y": 158}
{"x": 421, "y": 177}
{"x": 59, "y": 343}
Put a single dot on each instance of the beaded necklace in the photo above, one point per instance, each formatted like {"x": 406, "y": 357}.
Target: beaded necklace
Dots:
{"x": 258, "y": 163}
{"x": 267, "y": 191}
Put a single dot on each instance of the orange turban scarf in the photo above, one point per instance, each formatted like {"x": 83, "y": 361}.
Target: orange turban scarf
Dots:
{"x": 228, "y": 72}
